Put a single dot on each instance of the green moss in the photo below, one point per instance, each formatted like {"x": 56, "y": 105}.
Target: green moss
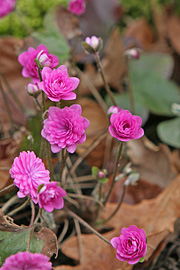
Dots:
{"x": 31, "y": 12}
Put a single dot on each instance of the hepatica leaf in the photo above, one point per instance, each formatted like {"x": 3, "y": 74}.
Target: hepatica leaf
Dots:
{"x": 13, "y": 242}
{"x": 150, "y": 86}
{"x": 169, "y": 132}
{"x": 52, "y": 38}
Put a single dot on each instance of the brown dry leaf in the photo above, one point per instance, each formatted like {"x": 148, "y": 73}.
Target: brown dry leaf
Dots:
{"x": 134, "y": 194}
{"x": 9, "y": 149}
{"x": 68, "y": 23}
{"x": 173, "y": 32}
{"x": 175, "y": 158}
{"x": 49, "y": 238}
{"x": 11, "y": 70}
{"x": 155, "y": 216}
{"x": 153, "y": 163}
{"x": 112, "y": 63}
{"x": 98, "y": 122}
{"x": 140, "y": 32}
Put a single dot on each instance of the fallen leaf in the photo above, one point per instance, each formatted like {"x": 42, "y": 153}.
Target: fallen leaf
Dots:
{"x": 67, "y": 22}
{"x": 11, "y": 72}
{"x": 98, "y": 123}
{"x": 153, "y": 163}
{"x": 173, "y": 32}
{"x": 14, "y": 238}
{"x": 135, "y": 194}
{"x": 139, "y": 34}
{"x": 155, "y": 216}
{"x": 175, "y": 158}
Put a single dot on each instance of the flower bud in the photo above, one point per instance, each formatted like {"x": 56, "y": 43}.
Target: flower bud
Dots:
{"x": 92, "y": 45}
{"x": 113, "y": 109}
{"x": 33, "y": 89}
{"x": 102, "y": 174}
{"x": 133, "y": 53}
{"x": 43, "y": 59}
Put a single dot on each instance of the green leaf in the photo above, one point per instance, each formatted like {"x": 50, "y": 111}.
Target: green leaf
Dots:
{"x": 13, "y": 242}
{"x": 52, "y": 38}
{"x": 141, "y": 260}
{"x": 123, "y": 102}
{"x": 157, "y": 63}
{"x": 150, "y": 87}
{"x": 103, "y": 180}
{"x": 169, "y": 132}
{"x": 95, "y": 171}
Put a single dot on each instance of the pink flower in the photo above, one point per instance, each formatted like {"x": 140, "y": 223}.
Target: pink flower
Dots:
{"x": 131, "y": 245}
{"x": 26, "y": 59}
{"x": 57, "y": 84}
{"x": 65, "y": 128}
{"x": 50, "y": 197}
{"x": 29, "y": 172}
{"x": 6, "y": 6}
{"x": 28, "y": 261}
{"x": 77, "y": 7}
{"x": 125, "y": 126}
{"x": 113, "y": 109}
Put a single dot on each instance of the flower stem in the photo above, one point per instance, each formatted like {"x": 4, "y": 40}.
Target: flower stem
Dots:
{"x": 7, "y": 189}
{"x": 15, "y": 97}
{"x": 117, "y": 208}
{"x": 84, "y": 223}
{"x": 115, "y": 171}
{"x": 104, "y": 79}
{"x": 19, "y": 208}
{"x": 7, "y": 106}
{"x": 64, "y": 155}
{"x": 130, "y": 91}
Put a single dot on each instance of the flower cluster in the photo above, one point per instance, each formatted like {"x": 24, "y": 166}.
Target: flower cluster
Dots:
{"x": 65, "y": 128}
{"x": 27, "y": 60}
{"x": 6, "y": 6}
{"x": 28, "y": 261}
{"x": 125, "y": 126}
{"x": 131, "y": 245}
{"x": 28, "y": 172}
{"x": 77, "y": 7}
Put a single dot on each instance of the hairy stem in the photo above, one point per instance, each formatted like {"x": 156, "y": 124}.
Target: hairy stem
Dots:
{"x": 7, "y": 189}
{"x": 104, "y": 79}
{"x": 115, "y": 171}
{"x": 84, "y": 223}
{"x": 19, "y": 208}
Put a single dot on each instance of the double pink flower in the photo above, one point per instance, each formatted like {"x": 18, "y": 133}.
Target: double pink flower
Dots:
{"x": 29, "y": 173}
{"x": 57, "y": 84}
{"x": 27, "y": 60}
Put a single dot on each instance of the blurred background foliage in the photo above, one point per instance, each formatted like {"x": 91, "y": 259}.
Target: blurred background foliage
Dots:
{"x": 33, "y": 11}
{"x": 28, "y": 11}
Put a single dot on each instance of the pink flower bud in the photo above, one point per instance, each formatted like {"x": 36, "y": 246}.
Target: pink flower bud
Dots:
{"x": 101, "y": 175}
{"x": 113, "y": 109}
{"x": 43, "y": 59}
{"x": 92, "y": 45}
{"x": 131, "y": 245}
{"x": 133, "y": 53}
{"x": 33, "y": 89}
